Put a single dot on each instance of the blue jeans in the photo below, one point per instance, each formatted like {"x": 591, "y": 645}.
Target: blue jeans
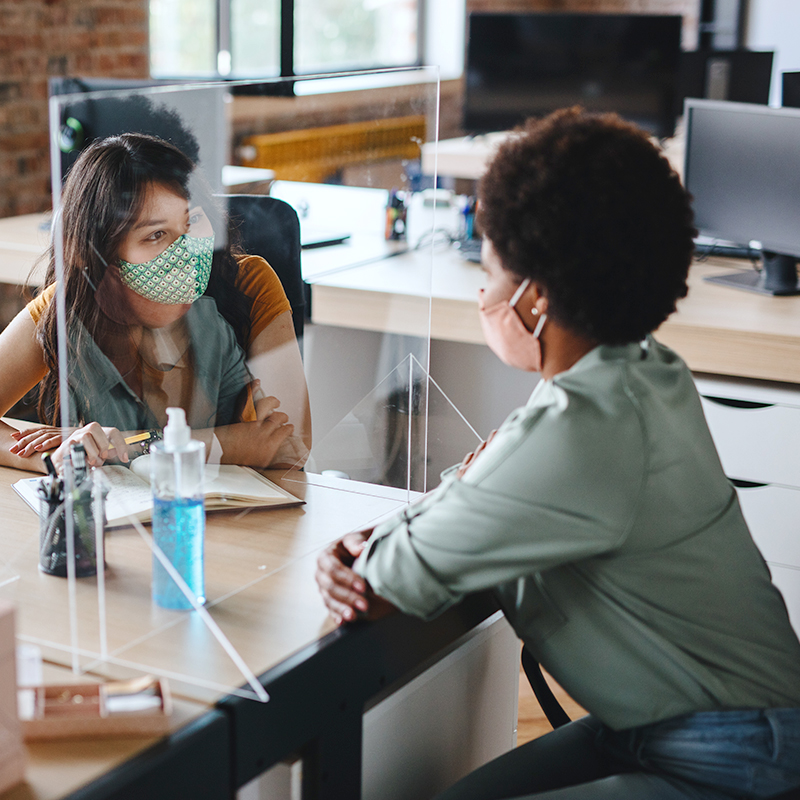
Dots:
{"x": 712, "y": 755}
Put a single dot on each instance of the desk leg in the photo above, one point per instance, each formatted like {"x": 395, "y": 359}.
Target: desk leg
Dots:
{"x": 332, "y": 764}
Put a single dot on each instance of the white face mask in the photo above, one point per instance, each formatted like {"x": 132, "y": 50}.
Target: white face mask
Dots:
{"x": 508, "y": 338}
{"x": 178, "y": 275}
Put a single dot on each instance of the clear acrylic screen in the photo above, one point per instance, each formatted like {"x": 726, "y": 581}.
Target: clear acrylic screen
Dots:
{"x": 314, "y": 374}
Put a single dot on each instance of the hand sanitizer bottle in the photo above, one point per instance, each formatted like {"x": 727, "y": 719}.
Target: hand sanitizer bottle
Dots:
{"x": 179, "y": 518}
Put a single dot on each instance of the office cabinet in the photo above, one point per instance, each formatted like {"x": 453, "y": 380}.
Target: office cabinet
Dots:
{"x": 756, "y": 429}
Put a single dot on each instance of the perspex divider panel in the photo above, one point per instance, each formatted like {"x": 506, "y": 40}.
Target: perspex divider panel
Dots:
{"x": 129, "y": 339}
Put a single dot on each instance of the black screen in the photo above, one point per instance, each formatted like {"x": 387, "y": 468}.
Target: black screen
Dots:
{"x": 790, "y": 86}
{"x": 742, "y": 76}
{"x": 743, "y": 170}
{"x": 522, "y": 65}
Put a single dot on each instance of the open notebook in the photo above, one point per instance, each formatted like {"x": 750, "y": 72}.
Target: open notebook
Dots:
{"x": 225, "y": 486}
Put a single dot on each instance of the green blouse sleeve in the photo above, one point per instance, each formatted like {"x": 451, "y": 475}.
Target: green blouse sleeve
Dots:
{"x": 544, "y": 493}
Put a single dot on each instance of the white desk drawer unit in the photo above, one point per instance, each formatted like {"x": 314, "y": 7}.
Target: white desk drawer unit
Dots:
{"x": 756, "y": 429}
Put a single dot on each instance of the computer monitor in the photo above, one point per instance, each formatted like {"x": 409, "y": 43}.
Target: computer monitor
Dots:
{"x": 741, "y": 76}
{"x": 790, "y": 86}
{"x": 529, "y": 64}
{"x": 742, "y": 168}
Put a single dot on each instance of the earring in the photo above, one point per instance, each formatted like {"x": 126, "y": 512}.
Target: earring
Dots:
{"x": 534, "y": 311}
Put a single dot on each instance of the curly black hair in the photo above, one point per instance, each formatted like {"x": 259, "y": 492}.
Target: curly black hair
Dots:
{"x": 587, "y": 207}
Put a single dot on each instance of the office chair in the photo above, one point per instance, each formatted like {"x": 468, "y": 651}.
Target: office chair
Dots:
{"x": 269, "y": 228}
{"x": 555, "y": 714}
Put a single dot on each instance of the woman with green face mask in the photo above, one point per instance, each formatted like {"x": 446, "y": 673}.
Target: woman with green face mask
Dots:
{"x": 141, "y": 333}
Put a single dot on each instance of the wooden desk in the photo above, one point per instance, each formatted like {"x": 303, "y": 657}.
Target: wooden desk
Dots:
{"x": 259, "y": 586}
{"x": 261, "y": 591}
{"x": 464, "y": 157}
{"x": 716, "y": 329}
{"x": 364, "y": 284}
{"x": 468, "y": 156}
{"x": 23, "y": 241}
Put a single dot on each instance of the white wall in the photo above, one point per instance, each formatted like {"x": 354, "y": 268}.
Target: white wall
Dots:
{"x": 774, "y": 25}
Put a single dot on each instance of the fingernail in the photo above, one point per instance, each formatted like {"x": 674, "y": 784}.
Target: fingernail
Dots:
{"x": 14, "y": 448}
{"x": 38, "y": 447}
{"x": 361, "y": 605}
{"x": 359, "y": 587}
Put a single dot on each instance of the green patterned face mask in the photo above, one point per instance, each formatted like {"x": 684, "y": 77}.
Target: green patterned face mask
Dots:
{"x": 179, "y": 275}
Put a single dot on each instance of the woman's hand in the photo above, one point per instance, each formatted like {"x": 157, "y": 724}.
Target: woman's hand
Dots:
{"x": 101, "y": 445}
{"x": 31, "y": 441}
{"x": 469, "y": 458}
{"x": 344, "y": 592}
{"x": 256, "y": 443}
{"x": 291, "y": 452}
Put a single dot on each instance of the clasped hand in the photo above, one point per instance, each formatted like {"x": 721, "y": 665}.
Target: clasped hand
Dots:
{"x": 345, "y": 593}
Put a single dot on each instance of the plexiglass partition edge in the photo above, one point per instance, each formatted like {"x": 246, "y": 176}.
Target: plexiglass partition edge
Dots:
{"x": 180, "y": 282}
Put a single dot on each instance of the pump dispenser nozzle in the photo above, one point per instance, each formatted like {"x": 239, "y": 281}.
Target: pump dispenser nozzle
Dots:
{"x": 177, "y": 434}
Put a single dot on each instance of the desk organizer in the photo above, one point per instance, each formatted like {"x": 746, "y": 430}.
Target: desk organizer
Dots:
{"x": 137, "y": 707}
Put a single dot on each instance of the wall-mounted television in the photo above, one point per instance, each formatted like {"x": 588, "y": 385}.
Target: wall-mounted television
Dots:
{"x": 529, "y": 64}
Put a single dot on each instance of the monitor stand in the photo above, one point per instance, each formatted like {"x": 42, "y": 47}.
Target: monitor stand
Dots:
{"x": 778, "y": 276}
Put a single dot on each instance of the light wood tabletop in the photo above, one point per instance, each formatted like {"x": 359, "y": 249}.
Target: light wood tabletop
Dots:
{"x": 57, "y": 768}
{"x": 727, "y": 331}
{"x": 260, "y": 588}
{"x": 23, "y": 241}
{"x": 260, "y": 591}
{"x": 716, "y": 329}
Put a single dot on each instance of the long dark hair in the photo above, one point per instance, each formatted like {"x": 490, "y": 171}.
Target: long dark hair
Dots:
{"x": 102, "y": 197}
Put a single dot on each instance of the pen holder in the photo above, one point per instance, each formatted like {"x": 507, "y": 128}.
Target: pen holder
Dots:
{"x": 88, "y": 506}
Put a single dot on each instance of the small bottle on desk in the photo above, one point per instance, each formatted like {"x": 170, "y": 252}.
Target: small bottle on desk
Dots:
{"x": 396, "y": 217}
{"x": 176, "y": 475}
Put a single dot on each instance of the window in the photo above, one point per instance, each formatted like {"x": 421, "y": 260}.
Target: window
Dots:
{"x": 182, "y": 38}
{"x": 267, "y": 38}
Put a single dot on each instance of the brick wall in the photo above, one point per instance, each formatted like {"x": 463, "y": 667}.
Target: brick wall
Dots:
{"x": 44, "y": 38}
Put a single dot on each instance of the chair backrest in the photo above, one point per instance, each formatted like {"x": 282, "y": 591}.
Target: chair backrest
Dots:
{"x": 555, "y": 714}
{"x": 270, "y": 228}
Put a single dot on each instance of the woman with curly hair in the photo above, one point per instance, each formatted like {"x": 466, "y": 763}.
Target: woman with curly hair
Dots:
{"x": 599, "y": 513}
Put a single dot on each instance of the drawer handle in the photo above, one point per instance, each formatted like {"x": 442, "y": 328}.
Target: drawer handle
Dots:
{"x": 729, "y": 401}
{"x": 742, "y": 484}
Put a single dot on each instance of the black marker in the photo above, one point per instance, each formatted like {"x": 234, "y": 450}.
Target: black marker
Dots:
{"x": 48, "y": 462}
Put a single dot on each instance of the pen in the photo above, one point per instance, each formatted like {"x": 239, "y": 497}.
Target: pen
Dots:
{"x": 138, "y": 437}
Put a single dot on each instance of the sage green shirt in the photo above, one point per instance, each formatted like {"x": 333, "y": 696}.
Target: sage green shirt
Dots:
{"x": 601, "y": 516}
